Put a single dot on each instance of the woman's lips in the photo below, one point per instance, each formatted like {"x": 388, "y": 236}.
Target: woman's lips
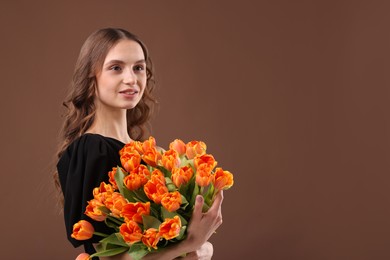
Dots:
{"x": 129, "y": 92}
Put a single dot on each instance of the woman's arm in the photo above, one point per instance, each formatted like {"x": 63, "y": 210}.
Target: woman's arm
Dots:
{"x": 205, "y": 252}
{"x": 200, "y": 229}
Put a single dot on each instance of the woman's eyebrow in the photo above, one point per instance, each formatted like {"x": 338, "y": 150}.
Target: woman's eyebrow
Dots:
{"x": 141, "y": 61}
{"x": 122, "y": 62}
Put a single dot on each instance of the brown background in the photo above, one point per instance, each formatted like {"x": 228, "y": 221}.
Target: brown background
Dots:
{"x": 290, "y": 96}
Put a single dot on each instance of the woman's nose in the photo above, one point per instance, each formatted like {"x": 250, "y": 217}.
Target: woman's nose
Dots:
{"x": 129, "y": 77}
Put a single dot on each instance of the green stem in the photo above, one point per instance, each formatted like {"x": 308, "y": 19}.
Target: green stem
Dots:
{"x": 205, "y": 208}
{"x": 100, "y": 234}
{"x": 214, "y": 194}
{"x": 115, "y": 220}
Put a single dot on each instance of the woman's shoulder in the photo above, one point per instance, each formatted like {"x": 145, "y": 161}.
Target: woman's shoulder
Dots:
{"x": 94, "y": 143}
{"x": 90, "y": 146}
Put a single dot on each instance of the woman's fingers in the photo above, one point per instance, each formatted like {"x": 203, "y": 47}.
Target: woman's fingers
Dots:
{"x": 217, "y": 202}
{"x": 197, "y": 213}
{"x": 215, "y": 210}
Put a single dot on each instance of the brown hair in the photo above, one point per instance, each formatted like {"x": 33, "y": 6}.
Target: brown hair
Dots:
{"x": 80, "y": 107}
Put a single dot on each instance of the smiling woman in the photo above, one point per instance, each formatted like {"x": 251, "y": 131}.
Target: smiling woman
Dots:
{"x": 109, "y": 104}
{"x": 119, "y": 86}
{"x": 122, "y": 81}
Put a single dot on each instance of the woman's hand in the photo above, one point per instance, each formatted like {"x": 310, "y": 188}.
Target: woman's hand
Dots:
{"x": 203, "y": 225}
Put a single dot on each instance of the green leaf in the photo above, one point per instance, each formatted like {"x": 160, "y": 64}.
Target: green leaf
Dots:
{"x": 111, "y": 252}
{"x": 184, "y": 202}
{"x": 166, "y": 214}
{"x": 183, "y": 189}
{"x": 183, "y": 161}
{"x": 187, "y": 189}
{"x": 113, "y": 222}
{"x": 170, "y": 185}
{"x": 104, "y": 209}
{"x": 150, "y": 222}
{"x": 140, "y": 194}
{"x": 182, "y": 232}
{"x": 194, "y": 194}
{"x": 155, "y": 209}
{"x": 100, "y": 247}
{"x": 137, "y": 251}
{"x": 115, "y": 239}
{"x": 209, "y": 195}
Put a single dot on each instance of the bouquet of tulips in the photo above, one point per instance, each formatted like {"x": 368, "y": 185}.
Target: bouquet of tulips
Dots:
{"x": 150, "y": 198}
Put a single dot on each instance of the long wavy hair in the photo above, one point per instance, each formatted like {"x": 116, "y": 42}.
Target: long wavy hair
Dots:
{"x": 80, "y": 106}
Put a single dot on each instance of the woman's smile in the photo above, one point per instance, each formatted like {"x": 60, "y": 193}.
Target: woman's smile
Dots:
{"x": 122, "y": 80}
{"x": 129, "y": 93}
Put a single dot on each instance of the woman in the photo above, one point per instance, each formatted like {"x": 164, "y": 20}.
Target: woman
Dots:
{"x": 109, "y": 104}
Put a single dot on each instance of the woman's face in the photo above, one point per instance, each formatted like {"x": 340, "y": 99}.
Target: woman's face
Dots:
{"x": 122, "y": 80}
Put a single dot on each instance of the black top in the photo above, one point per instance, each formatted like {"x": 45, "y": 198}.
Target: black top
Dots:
{"x": 82, "y": 167}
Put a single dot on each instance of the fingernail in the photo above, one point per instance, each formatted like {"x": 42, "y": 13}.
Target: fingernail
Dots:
{"x": 199, "y": 198}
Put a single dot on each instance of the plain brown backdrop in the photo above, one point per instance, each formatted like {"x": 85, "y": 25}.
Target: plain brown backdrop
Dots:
{"x": 290, "y": 96}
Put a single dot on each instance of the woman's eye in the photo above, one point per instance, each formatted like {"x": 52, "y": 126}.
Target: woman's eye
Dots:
{"x": 117, "y": 68}
{"x": 139, "y": 68}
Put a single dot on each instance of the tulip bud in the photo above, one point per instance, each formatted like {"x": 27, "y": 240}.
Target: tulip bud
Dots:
{"x": 82, "y": 230}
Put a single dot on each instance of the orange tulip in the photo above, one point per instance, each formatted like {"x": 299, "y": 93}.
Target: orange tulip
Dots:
{"x": 103, "y": 194}
{"x": 181, "y": 176}
{"x": 179, "y": 146}
{"x": 170, "y": 228}
{"x": 195, "y": 148}
{"x": 149, "y": 144}
{"x": 143, "y": 171}
{"x": 170, "y": 159}
{"x": 128, "y": 148}
{"x": 222, "y": 180}
{"x": 203, "y": 175}
{"x": 118, "y": 202}
{"x": 155, "y": 188}
{"x": 130, "y": 232}
{"x": 133, "y": 181}
{"x": 111, "y": 175}
{"x": 171, "y": 201}
{"x": 130, "y": 160}
{"x": 151, "y": 237}
{"x": 157, "y": 175}
{"x": 83, "y": 256}
{"x": 134, "y": 146}
{"x": 92, "y": 210}
{"x": 82, "y": 230}
{"x": 135, "y": 211}
{"x": 103, "y": 188}
{"x": 138, "y": 146}
{"x": 137, "y": 178}
{"x": 152, "y": 157}
{"x": 206, "y": 159}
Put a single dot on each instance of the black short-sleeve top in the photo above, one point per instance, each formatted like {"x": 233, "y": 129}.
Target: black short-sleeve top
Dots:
{"x": 82, "y": 167}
